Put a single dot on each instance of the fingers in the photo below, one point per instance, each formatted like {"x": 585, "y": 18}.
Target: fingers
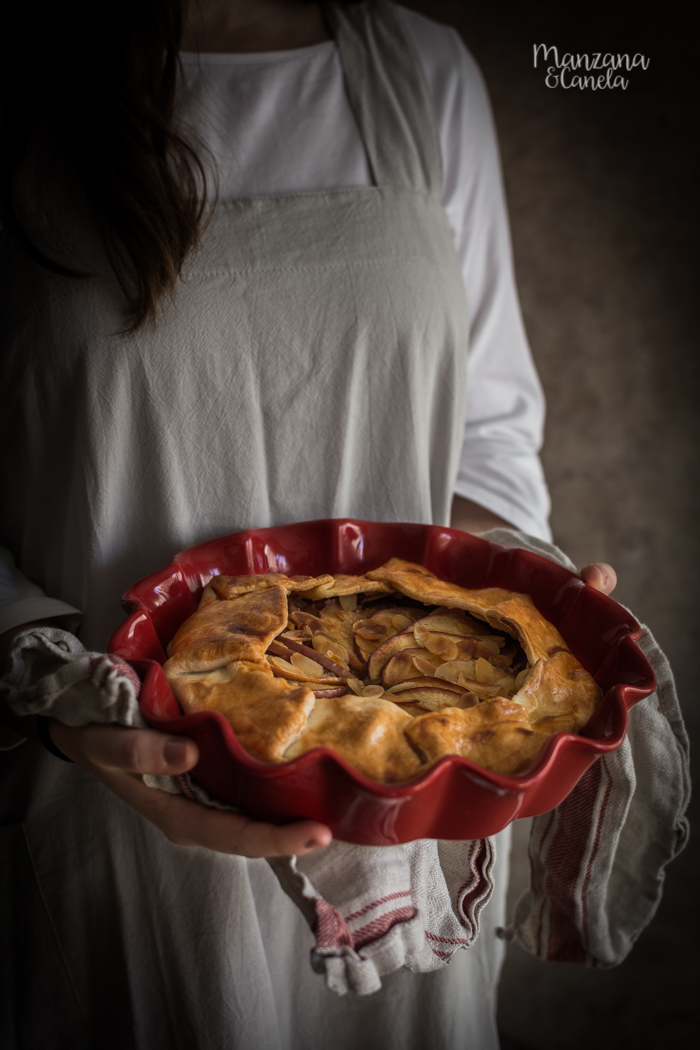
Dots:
{"x": 600, "y": 575}
{"x": 188, "y": 823}
{"x": 117, "y": 756}
{"x": 232, "y": 833}
{"x": 130, "y": 750}
{"x": 258, "y": 839}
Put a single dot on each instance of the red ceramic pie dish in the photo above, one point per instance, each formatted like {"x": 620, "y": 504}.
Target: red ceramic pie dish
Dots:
{"x": 454, "y": 799}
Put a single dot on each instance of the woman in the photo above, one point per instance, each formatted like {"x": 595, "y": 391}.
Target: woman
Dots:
{"x": 298, "y": 352}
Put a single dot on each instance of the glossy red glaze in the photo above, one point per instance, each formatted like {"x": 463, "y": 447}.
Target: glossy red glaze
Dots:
{"x": 455, "y": 799}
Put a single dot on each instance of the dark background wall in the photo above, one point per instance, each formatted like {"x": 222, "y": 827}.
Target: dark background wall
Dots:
{"x": 602, "y": 190}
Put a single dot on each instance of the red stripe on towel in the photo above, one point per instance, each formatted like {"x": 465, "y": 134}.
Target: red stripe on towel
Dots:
{"x": 563, "y": 863}
{"x": 540, "y": 924}
{"x": 445, "y": 940}
{"x": 594, "y": 850}
{"x": 330, "y": 929}
{"x": 381, "y": 926}
{"x": 376, "y": 904}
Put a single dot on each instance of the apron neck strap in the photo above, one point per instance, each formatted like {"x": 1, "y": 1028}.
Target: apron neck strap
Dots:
{"x": 388, "y": 94}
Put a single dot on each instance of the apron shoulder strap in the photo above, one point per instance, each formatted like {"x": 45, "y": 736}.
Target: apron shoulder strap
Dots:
{"x": 388, "y": 94}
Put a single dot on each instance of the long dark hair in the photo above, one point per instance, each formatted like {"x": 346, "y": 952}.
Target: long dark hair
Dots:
{"x": 107, "y": 107}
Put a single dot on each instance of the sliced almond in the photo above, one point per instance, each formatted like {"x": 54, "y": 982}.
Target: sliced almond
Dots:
{"x": 325, "y": 661}
{"x": 372, "y": 692}
{"x": 338, "y": 652}
{"x": 308, "y": 666}
{"x": 452, "y": 621}
{"x": 494, "y": 643}
{"x": 452, "y": 669}
{"x": 442, "y": 645}
{"x": 453, "y": 646}
{"x": 285, "y": 669}
{"x": 356, "y": 685}
{"x": 327, "y": 647}
{"x": 348, "y": 602}
{"x": 424, "y": 664}
{"x": 485, "y": 672}
{"x": 370, "y": 631}
{"x": 420, "y": 633}
{"x": 400, "y": 622}
{"x": 482, "y": 689}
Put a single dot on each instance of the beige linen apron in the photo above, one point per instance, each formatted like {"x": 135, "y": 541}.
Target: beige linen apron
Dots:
{"x": 312, "y": 365}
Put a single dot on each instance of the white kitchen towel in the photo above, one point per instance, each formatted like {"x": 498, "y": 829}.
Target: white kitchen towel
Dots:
{"x": 51, "y": 673}
{"x": 598, "y": 860}
{"x": 377, "y": 909}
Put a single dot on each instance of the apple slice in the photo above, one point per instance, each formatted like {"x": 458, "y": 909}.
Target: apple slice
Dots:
{"x": 277, "y": 648}
{"x": 414, "y": 710}
{"x": 453, "y": 621}
{"x": 482, "y": 689}
{"x": 335, "y": 623}
{"x": 415, "y": 683}
{"x": 386, "y": 651}
{"x": 370, "y": 633}
{"x": 298, "y": 671}
{"x": 454, "y": 646}
{"x": 434, "y": 698}
{"x": 324, "y": 661}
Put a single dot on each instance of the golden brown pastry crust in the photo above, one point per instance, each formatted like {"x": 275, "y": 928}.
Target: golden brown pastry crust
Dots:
{"x": 368, "y": 733}
{"x": 240, "y": 628}
{"x": 496, "y": 734}
{"x": 444, "y": 671}
{"x": 266, "y": 713}
{"x": 225, "y": 587}
{"x": 342, "y": 584}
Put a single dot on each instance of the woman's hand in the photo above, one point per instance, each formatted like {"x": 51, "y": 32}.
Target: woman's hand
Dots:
{"x": 117, "y": 757}
{"x": 600, "y": 575}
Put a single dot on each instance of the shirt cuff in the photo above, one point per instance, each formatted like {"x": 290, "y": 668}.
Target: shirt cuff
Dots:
{"x": 38, "y": 607}
{"x": 521, "y": 519}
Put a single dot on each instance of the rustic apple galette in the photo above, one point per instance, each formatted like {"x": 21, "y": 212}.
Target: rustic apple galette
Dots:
{"x": 392, "y": 670}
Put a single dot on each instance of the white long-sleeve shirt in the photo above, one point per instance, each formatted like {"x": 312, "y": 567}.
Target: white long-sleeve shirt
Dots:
{"x": 281, "y": 122}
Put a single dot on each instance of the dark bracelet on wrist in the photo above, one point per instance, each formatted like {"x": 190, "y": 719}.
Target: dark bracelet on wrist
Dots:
{"x": 42, "y": 728}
